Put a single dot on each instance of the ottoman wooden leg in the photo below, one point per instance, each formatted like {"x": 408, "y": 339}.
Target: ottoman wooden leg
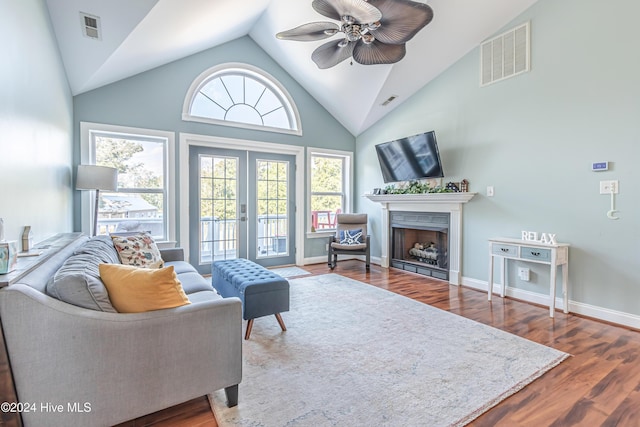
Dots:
{"x": 281, "y": 322}
{"x": 249, "y": 326}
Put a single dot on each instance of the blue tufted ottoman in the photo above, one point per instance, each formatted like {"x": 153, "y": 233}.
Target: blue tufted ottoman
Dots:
{"x": 262, "y": 292}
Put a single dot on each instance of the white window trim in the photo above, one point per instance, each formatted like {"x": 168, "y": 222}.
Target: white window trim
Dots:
{"x": 187, "y": 140}
{"x": 348, "y": 186}
{"x": 262, "y": 76}
{"x": 87, "y": 156}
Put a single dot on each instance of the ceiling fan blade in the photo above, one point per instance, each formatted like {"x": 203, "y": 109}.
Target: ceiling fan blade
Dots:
{"x": 331, "y": 53}
{"x": 401, "y": 20}
{"x": 360, "y": 10}
{"x": 378, "y": 53}
{"x": 310, "y": 32}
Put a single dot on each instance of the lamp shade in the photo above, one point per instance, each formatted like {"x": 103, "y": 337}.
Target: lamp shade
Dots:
{"x": 92, "y": 177}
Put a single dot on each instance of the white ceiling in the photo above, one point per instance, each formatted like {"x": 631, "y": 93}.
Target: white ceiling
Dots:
{"x": 143, "y": 34}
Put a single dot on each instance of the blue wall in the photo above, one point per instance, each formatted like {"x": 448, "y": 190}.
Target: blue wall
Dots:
{"x": 35, "y": 124}
{"x": 154, "y": 100}
{"x": 533, "y": 138}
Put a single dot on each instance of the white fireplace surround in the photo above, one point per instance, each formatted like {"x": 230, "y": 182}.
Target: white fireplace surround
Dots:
{"x": 429, "y": 202}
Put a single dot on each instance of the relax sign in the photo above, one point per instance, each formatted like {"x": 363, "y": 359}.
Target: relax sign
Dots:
{"x": 532, "y": 236}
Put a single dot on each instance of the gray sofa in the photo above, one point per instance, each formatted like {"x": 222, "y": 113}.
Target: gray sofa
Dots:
{"x": 105, "y": 367}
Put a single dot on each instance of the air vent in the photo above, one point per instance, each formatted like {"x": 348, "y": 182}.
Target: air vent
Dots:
{"x": 90, "y": 26}
{"x": 389, "y": 100}
{"x": 504, "y": 56}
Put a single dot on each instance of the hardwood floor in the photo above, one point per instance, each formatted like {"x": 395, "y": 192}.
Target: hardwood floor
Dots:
{"x": 598, "y": 386}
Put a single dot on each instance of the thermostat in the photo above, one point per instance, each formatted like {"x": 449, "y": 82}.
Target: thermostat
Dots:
{"x": 600, "y": 166}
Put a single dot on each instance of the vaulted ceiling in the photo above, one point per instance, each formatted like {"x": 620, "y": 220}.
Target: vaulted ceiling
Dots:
{"x": 137, "y": 36}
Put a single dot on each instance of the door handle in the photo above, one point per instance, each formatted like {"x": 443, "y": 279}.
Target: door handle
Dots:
{"x": 243, "y": 219}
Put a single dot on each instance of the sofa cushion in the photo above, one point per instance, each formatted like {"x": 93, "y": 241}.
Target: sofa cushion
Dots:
{"x": 134, "y": 290}
{"x": 203, "y": 296}
{"x": 78, "y": 281}
{"x": 139, "y": 250}
{"x": 191, "y": 280}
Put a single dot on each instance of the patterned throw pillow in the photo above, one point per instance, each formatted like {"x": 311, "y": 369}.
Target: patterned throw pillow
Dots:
{"x": 351, "y": 237}
{"x": 139, "y": 250}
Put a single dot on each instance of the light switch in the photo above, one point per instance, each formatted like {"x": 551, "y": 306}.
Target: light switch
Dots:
{"x": 490, "y": 191}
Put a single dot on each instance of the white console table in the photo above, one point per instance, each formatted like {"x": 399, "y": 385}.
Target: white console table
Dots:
{"x": 523, "y": 250}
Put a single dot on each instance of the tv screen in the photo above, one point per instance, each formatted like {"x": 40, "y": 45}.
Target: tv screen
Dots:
{"x": 410, "y": 158}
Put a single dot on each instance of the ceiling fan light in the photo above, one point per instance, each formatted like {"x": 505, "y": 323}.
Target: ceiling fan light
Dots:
{"x": 352, "y": 32}
{"x": 374, "y": 25}
{"x": 348, "y": 20}
{"x": 368, "y": 38}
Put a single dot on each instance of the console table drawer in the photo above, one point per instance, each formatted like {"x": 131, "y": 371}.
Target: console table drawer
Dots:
{"x": 505, "y": 250}
{"x": 536, "y": 254}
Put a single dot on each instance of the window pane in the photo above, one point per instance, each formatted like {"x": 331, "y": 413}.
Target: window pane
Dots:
{"x": 268, "y": 102}
{"x": 205, "y": 107}
{"x": 235, "y": 86}
{"x": 277, "y": 119}
{"x": 243, "y": 114}
{"x": 140, "y": 163}
{"x": 326, "y": 174}
{"x": 253, "y": 91}
{"x": 131, "y": 212}
{"x": 326, "y": 203}
{"x": 216, "y": 93}
{"x": 243, "y": 96}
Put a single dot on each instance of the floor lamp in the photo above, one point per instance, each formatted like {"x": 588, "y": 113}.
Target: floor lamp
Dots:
{"x": 92, "y": 177}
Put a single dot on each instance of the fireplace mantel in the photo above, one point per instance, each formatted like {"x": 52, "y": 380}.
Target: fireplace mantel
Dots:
{"x": 421, "y": 198}
{"x": 428, "y": 202}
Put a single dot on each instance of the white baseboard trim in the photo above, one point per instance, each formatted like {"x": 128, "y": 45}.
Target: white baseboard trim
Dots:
{"x": 600, "y": 313}
{"x": 325, "y": 260}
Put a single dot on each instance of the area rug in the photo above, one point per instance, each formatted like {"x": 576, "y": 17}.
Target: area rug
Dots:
{"x": 356, "y": 355}
{"x": 290, "y": 271}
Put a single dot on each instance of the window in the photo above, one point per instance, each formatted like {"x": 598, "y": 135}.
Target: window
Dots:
{"x": 330, "y": 184}
{"x": 243, "y": 96}
{"x": 141, "y": 202}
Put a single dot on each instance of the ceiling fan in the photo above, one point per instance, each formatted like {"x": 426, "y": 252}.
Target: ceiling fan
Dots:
{"x": 375, "y": 31}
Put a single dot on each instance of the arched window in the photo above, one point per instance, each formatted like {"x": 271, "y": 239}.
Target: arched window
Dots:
{"x": 241, "y": 95}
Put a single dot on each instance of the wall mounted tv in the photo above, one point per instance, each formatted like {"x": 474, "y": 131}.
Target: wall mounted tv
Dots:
{"x": 410, "y": 158}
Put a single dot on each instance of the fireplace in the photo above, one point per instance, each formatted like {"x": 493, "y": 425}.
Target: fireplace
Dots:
{"x": 420, "y": 242}
{"x": 447, "y": 204}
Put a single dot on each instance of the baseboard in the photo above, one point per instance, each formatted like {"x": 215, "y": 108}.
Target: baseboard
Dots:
{"x": 324, "y": 259}
{"x": 600, "y": 313}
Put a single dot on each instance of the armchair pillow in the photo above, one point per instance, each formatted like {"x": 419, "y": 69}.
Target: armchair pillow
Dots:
{"x": 134, "y": 290}
{"x": 351, "y": 237}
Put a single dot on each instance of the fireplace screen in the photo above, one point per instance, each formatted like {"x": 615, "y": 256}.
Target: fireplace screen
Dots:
{"x": 421, "y": 246}
{"x": 420, "y": 242}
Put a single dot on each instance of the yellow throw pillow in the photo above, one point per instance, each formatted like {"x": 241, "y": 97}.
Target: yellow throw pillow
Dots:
{"x": 134, "y": 290}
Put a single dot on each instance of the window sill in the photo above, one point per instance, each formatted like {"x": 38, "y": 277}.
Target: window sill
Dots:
{"x": 320, "y": 234}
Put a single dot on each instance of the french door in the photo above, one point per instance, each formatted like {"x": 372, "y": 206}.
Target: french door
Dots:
{"x": 241, "y": 205}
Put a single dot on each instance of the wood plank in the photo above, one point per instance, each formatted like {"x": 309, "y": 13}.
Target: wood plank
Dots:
{"x": 598, "y": 385}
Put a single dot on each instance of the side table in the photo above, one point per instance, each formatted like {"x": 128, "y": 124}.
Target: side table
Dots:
{"x": 553, "y": 255}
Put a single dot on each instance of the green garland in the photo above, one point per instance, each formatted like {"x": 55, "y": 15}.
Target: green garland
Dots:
{"x": 416, "y": 187}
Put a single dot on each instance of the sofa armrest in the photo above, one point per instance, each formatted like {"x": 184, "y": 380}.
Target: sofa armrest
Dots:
{"x": 172, "y": 254}
{"x": 122, "y": 365}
